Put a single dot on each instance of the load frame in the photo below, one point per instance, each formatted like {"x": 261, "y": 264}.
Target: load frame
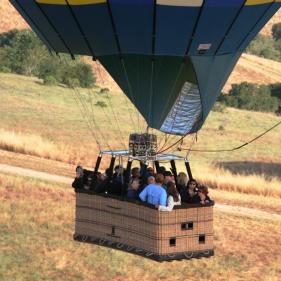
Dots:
{"x": 112, "y": 221}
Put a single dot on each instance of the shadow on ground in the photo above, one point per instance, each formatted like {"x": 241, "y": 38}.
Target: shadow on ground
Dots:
{"x": 252, "y": 168}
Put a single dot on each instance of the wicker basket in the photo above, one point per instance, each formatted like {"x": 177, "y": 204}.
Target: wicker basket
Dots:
{"x": 185, "y": 232}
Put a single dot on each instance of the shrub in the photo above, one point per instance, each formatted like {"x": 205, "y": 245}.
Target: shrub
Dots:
{"x": 219, "y": 107}
{"x": 72, "y": 82}
{"x": 264, "y": 46}
{"x": 276, "y": 31}
{"x": 5, "y": 69}
{"x": 23, "y": 53}
{"x": 251, "y": 97}
{"x": 50, "y": 80}
{"x": 100, "y": 104}
{"x": 104, "y": 90}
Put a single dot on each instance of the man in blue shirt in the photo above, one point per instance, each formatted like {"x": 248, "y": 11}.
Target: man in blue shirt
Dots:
{"x": 155, "y": 194}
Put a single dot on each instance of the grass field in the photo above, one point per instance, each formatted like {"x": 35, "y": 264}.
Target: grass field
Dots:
{"x": 37, "y": 246}
{"x": 42, "y": 128}
{"x": 46, "y": 122}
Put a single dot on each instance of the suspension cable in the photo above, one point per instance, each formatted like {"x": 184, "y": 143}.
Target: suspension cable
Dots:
{"x": 87, "y": 121}
{"x": 130, "y": 91}
{"x": 113, "y": 112}
{"x": 91, "y": 119}
{"x": 237, "y": 147}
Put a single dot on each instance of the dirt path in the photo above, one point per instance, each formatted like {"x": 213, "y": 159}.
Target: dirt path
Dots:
{"x": 34, "y": 174}
{"x": 229, "y": 209}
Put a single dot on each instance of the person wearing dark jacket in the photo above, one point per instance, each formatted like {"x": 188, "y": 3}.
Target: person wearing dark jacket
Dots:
{"x": 190, "y": 194}
{"x": 133, "y": 190}
{"x": 78, "y": 181}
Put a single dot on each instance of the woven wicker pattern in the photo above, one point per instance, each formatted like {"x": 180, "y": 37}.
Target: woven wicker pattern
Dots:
{"x": 182, "y": 230}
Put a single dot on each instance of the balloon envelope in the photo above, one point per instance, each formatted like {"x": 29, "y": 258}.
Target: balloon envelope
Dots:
{"x": 170, "y": 57}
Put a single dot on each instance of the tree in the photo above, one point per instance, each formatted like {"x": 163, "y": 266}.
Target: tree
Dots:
{"x": 276, "y": 31}
{"x": 251, "y": 97}
{"x": 22, "y": 52}
{"x": 264, "y": 46}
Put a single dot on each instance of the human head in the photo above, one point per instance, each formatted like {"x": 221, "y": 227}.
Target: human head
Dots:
{"x": 119, "y": 169}
{"x": 172, "y": 190}
{"x": 182, "y": 179}
{"x": 135, "y": 172}
{"x": 162, "y": 169}
{"x": 135, "y": 184}
{"x": 192, "y": 184}
{"x": 150, "y": 170}
{"x": 168, "y": 177}
{"x": 79, "y": 171}
{"x": 150, "y": 180}
{"x": 203, "y": 189}
{"x": 159, "y": 179}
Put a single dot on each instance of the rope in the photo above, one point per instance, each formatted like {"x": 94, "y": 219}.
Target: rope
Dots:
{"x": 116, "y": 120}
{"x": 130, "y": 89}
{"x": 90, "y": 119}
{"x": 220, "y": 150}
{"x": 113, "y": 112}
{"x": 87, "y": 121}
{"x": 237, "y": 147}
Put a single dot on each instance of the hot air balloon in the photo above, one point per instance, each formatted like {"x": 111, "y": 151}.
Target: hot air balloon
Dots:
{"x": 171, "y": 58}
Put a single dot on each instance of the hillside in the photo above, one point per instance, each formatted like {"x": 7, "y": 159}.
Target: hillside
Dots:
{"x": 51, "y": 118}
{"x": 249, "y": 68}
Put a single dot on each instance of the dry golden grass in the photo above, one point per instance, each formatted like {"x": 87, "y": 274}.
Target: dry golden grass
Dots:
{"x": 256, "y": 70}
{"x": 248, "y": 184}
{"x": 32, "y": 145}
{"x": 259, "y": 202}
{"x": 65, "y": 137}
{"x": 37, "y": 222}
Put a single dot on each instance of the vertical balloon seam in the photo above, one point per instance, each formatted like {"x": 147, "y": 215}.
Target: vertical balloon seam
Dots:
{"x": 253, "y": 27}
{"x": 230, "y": 27}
{"x": 55, "y": 30}
{"x": 80, "y": 29}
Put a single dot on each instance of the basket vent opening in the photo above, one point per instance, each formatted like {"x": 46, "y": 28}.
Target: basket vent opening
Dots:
{"x": 187, "y": 225}
{"x": 172, "y": 242}
{"x": 202, "y": 239}
{"x": 113, "y": 230}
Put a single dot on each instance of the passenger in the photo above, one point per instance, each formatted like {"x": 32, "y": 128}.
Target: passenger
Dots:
{"x": 203, "y": 194}
{"x": 190, "y": 194}
{"x": 115, "y": 185}
{"x": 78, "y": 181}
{"x": 118, "y": 172}
{"x": 168, "y": 177}
{"x": 162, "y": 170}
{"x": 150, "y": 171}
{"x": 155, "y": 194}
{"x": 135, "y": 173}
{"x": 88, "y": 182}
{"x": 150, "y": 180}
{"x": 174, "y": 198}
{"x": 102, "y": 182}
{"x": 132, "y": 193}
{"x": 181, "y": 181}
